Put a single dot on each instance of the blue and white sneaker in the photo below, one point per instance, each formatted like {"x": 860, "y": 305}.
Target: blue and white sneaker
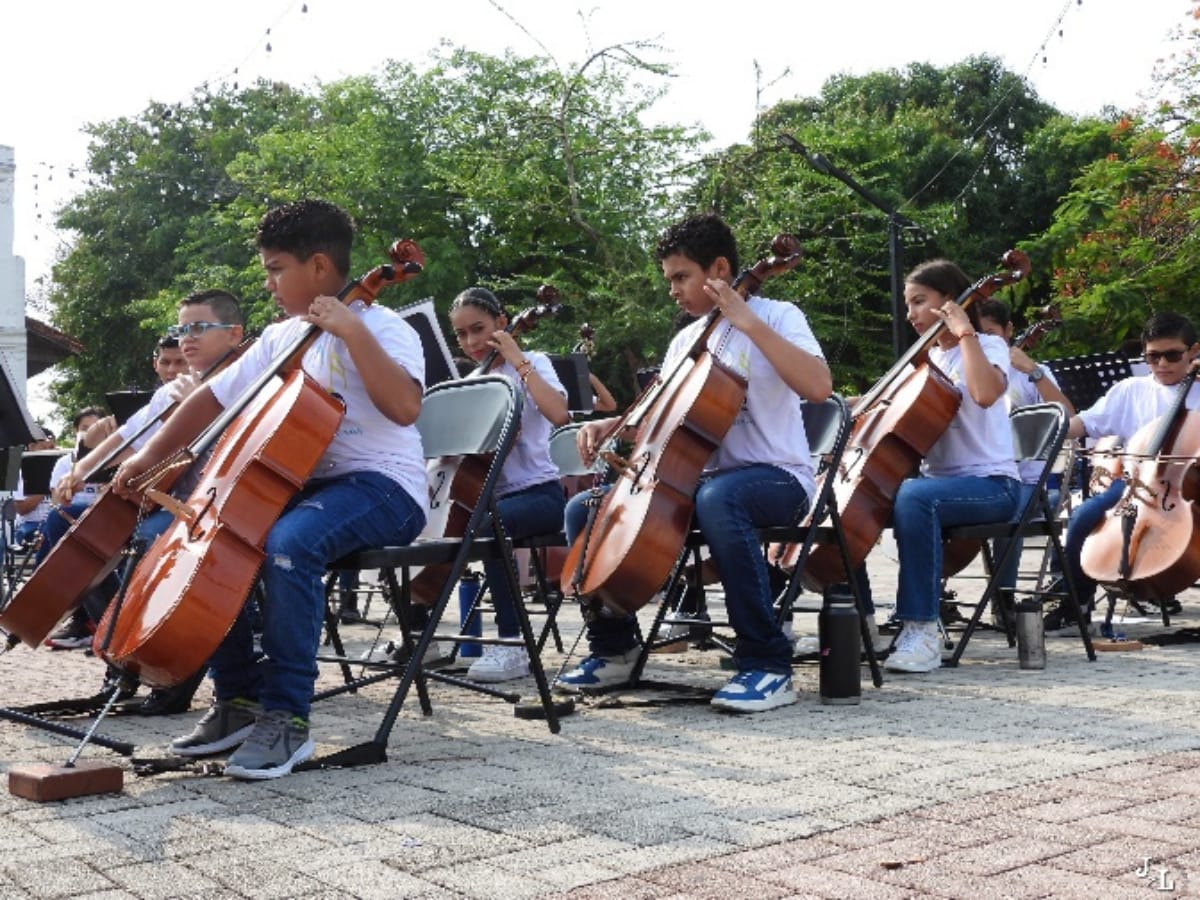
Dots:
{"x": 755, "y": 691}
{"x": 598, "y": 673}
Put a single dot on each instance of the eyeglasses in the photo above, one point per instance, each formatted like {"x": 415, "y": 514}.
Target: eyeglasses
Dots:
{"x": 1172, "y": 356}
{"x": 192, "y": 329}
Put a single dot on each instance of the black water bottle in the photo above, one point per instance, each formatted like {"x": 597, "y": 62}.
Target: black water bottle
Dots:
{"x": 838, "y": 629}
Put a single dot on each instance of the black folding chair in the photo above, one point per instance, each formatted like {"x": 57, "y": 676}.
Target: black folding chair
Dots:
{"x": 478, "y": 416}
{"x": 827, "y": 426}
{"x": 1038, "y": 434}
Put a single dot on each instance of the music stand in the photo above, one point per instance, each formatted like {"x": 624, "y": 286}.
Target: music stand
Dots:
{"x": 1085, "y": 379}
{"x": 645, "y": 376}
{"x": 125, "y": 403}
{"x": 572, "y": 371}
{"x": 36, "y": 468}
{"x": 439, "y": 364}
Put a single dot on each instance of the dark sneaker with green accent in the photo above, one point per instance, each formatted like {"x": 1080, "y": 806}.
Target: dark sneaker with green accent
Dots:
{"x": 278, "y": 742}
{"x": 226, "y": 724}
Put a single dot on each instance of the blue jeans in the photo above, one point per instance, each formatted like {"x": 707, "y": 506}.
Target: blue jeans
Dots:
{"x": 56, "y": 525}
{"x": 1083, "y": 521}
{"x": 533, "y": 511}
{"x": 328, "y": 519}
{"x": 25, "y": 532}
{"x": 923, "y": 507}
{"x": 729, "y": 505}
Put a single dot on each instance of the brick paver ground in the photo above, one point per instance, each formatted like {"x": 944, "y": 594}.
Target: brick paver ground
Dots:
{"x": 980, "y": 781}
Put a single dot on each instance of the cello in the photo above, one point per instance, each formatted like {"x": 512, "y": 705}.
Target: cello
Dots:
{"x": 93, "y": 546}
{"x": 1148, "y": 544}
{"x": 637, "y": 531}
{"x": 455, "y": 483}
{"x": 895, "y": 425}
{"x": 188, "y": 589}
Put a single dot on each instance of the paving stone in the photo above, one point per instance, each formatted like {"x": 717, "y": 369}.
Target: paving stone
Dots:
{"x": 978, "y": 781}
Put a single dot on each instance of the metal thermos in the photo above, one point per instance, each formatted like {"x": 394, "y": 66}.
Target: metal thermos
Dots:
{"x": 838, "y": 631}
{"x": 1031, "y": 635}
{"x": 469, "y": 588}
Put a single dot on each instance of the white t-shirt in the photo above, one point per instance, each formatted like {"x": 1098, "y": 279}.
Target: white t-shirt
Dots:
{"x": 529, "y": 461}
{"x": 1131, "y": 403}
{"x": 979, "y": 440}
{"x": 1023, "y": 391}
{"x": 86, "y": 495}
{"x": 366, "y": 440}
{"x": 770, "y": 426}
{"x": 159, "y": 402}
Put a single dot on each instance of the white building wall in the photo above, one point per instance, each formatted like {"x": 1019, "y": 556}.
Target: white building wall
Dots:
{"x": 12, "y": 280}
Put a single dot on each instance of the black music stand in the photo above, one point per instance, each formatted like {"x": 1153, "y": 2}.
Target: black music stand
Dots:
{"x": 572, "y": 371}
{"x": 645, "y": 376}
{"x": 36, "y": 469}
{"x": 1085, "y": 379}
{"x": 125, "y": 403}
{"x": 439, "y": 364}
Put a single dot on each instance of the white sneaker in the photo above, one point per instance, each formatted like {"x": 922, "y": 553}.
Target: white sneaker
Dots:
{"x": 393, "y": 651}
{"x": 500, "y": 663}
{"x": 917, "y": 649}
{"x": 599, "y": 673}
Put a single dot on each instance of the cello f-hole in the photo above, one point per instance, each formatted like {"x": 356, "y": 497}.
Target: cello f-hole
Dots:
{"x": 193, "y": 534}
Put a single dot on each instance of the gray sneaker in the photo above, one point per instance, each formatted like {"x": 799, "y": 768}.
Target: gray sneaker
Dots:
{"x": 226, "y": 724}
{"x": 278, "y": 742}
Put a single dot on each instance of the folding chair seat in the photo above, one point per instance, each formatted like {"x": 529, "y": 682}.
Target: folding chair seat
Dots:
{"x": 1038, "y": 434}
{"x": 827, "y": 426}
{"x": 471, "y": 417}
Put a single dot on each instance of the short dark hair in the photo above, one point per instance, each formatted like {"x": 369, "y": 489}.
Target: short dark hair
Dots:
{"x": 84, "y": 413}
{"x": 1168, "y": 325}
{"x": 166, "y": 342}
{"x": 307, "y": 227}
{"x": 480, "y": 298}
{"x": 224, "y": 305}
{"x": 701, "y": 238}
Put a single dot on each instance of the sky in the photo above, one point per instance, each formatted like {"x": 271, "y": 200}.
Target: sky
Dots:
{"x": 67, "y": 63}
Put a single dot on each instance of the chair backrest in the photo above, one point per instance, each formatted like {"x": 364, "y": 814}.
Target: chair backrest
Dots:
{"x": 1038, "y": 434}
{"x": 565, "y": 452}
{"x": 468, "y": 416}
{"x": 827, "y": 426}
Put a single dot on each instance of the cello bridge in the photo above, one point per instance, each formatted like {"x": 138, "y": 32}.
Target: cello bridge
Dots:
{"x": 1142, "y": 492}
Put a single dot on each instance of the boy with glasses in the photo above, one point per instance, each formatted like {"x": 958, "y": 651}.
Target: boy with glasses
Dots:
{"x": 1170, "y": 349}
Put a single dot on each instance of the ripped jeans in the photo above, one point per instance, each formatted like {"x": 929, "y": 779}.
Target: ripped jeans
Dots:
{"x": 328, "y": 519}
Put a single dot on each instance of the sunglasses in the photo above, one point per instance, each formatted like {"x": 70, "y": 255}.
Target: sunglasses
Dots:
{"x": 1153, "y": 357}
{"x": 192, "y": 329}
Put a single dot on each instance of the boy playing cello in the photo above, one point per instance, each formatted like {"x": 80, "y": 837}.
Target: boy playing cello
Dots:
{"x": 369, "y": 488}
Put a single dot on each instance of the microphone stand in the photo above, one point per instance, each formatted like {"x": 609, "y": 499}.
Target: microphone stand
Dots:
{"x": 895, "y": 221}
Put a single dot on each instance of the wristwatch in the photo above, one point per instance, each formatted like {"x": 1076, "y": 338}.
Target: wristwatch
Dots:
{"x": 1037, "y": 373}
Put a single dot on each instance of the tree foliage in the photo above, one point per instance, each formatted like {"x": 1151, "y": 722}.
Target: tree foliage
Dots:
{"x": 512, "y": 172}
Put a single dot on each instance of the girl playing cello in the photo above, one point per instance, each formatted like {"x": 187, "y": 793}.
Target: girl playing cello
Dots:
{"x": 970, "y": 475}
{"x": 531, "y": 499}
